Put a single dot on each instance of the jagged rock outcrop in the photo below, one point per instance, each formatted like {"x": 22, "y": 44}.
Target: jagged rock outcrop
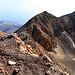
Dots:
{"x": 41, "y": 28}
{"x": 2, "y": 34}
{"x": 23, "y": 48}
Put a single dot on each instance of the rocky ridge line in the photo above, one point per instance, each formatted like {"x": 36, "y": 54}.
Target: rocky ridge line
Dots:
{"x": 26, "y": 50}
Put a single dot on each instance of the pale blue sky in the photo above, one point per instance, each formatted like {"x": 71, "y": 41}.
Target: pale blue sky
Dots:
{"x": 21, "y": 11}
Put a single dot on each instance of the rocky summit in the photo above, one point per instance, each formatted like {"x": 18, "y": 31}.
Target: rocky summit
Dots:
{"x": 45, "y": 45}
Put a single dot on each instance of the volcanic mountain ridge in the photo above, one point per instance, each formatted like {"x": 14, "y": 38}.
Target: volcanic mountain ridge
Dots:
{"x": 42, "y": 46}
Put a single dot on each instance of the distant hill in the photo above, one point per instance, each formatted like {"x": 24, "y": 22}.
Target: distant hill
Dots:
{"x": 9, "y": 27}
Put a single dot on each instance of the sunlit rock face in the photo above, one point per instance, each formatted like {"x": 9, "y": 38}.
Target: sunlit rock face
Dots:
{"x": 2, "y": 34}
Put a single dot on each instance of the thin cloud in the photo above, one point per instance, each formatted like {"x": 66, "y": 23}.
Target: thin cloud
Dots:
{"x": 22, "y": 10}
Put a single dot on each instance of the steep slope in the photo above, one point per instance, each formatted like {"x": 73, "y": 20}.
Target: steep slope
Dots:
{"x": 43, "y": 25}
{"x": 49, "y": 32}
{"x": 9, "y": 27}
{"x": 18, "y": 58}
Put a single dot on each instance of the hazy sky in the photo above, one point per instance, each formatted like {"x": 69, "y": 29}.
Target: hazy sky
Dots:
{"x": 21, "y": 11}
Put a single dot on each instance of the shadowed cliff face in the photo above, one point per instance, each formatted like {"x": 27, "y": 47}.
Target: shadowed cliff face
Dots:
{"x": 68, "y": 21}
{"x": 42, "y": 46}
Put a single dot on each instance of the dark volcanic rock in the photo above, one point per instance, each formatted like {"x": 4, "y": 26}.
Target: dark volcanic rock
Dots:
{"x": 68, "y": 21}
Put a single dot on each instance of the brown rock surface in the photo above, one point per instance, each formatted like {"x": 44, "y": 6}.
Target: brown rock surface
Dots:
{"x": 41, "y": 28}
{"x": 25, "y": 62}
